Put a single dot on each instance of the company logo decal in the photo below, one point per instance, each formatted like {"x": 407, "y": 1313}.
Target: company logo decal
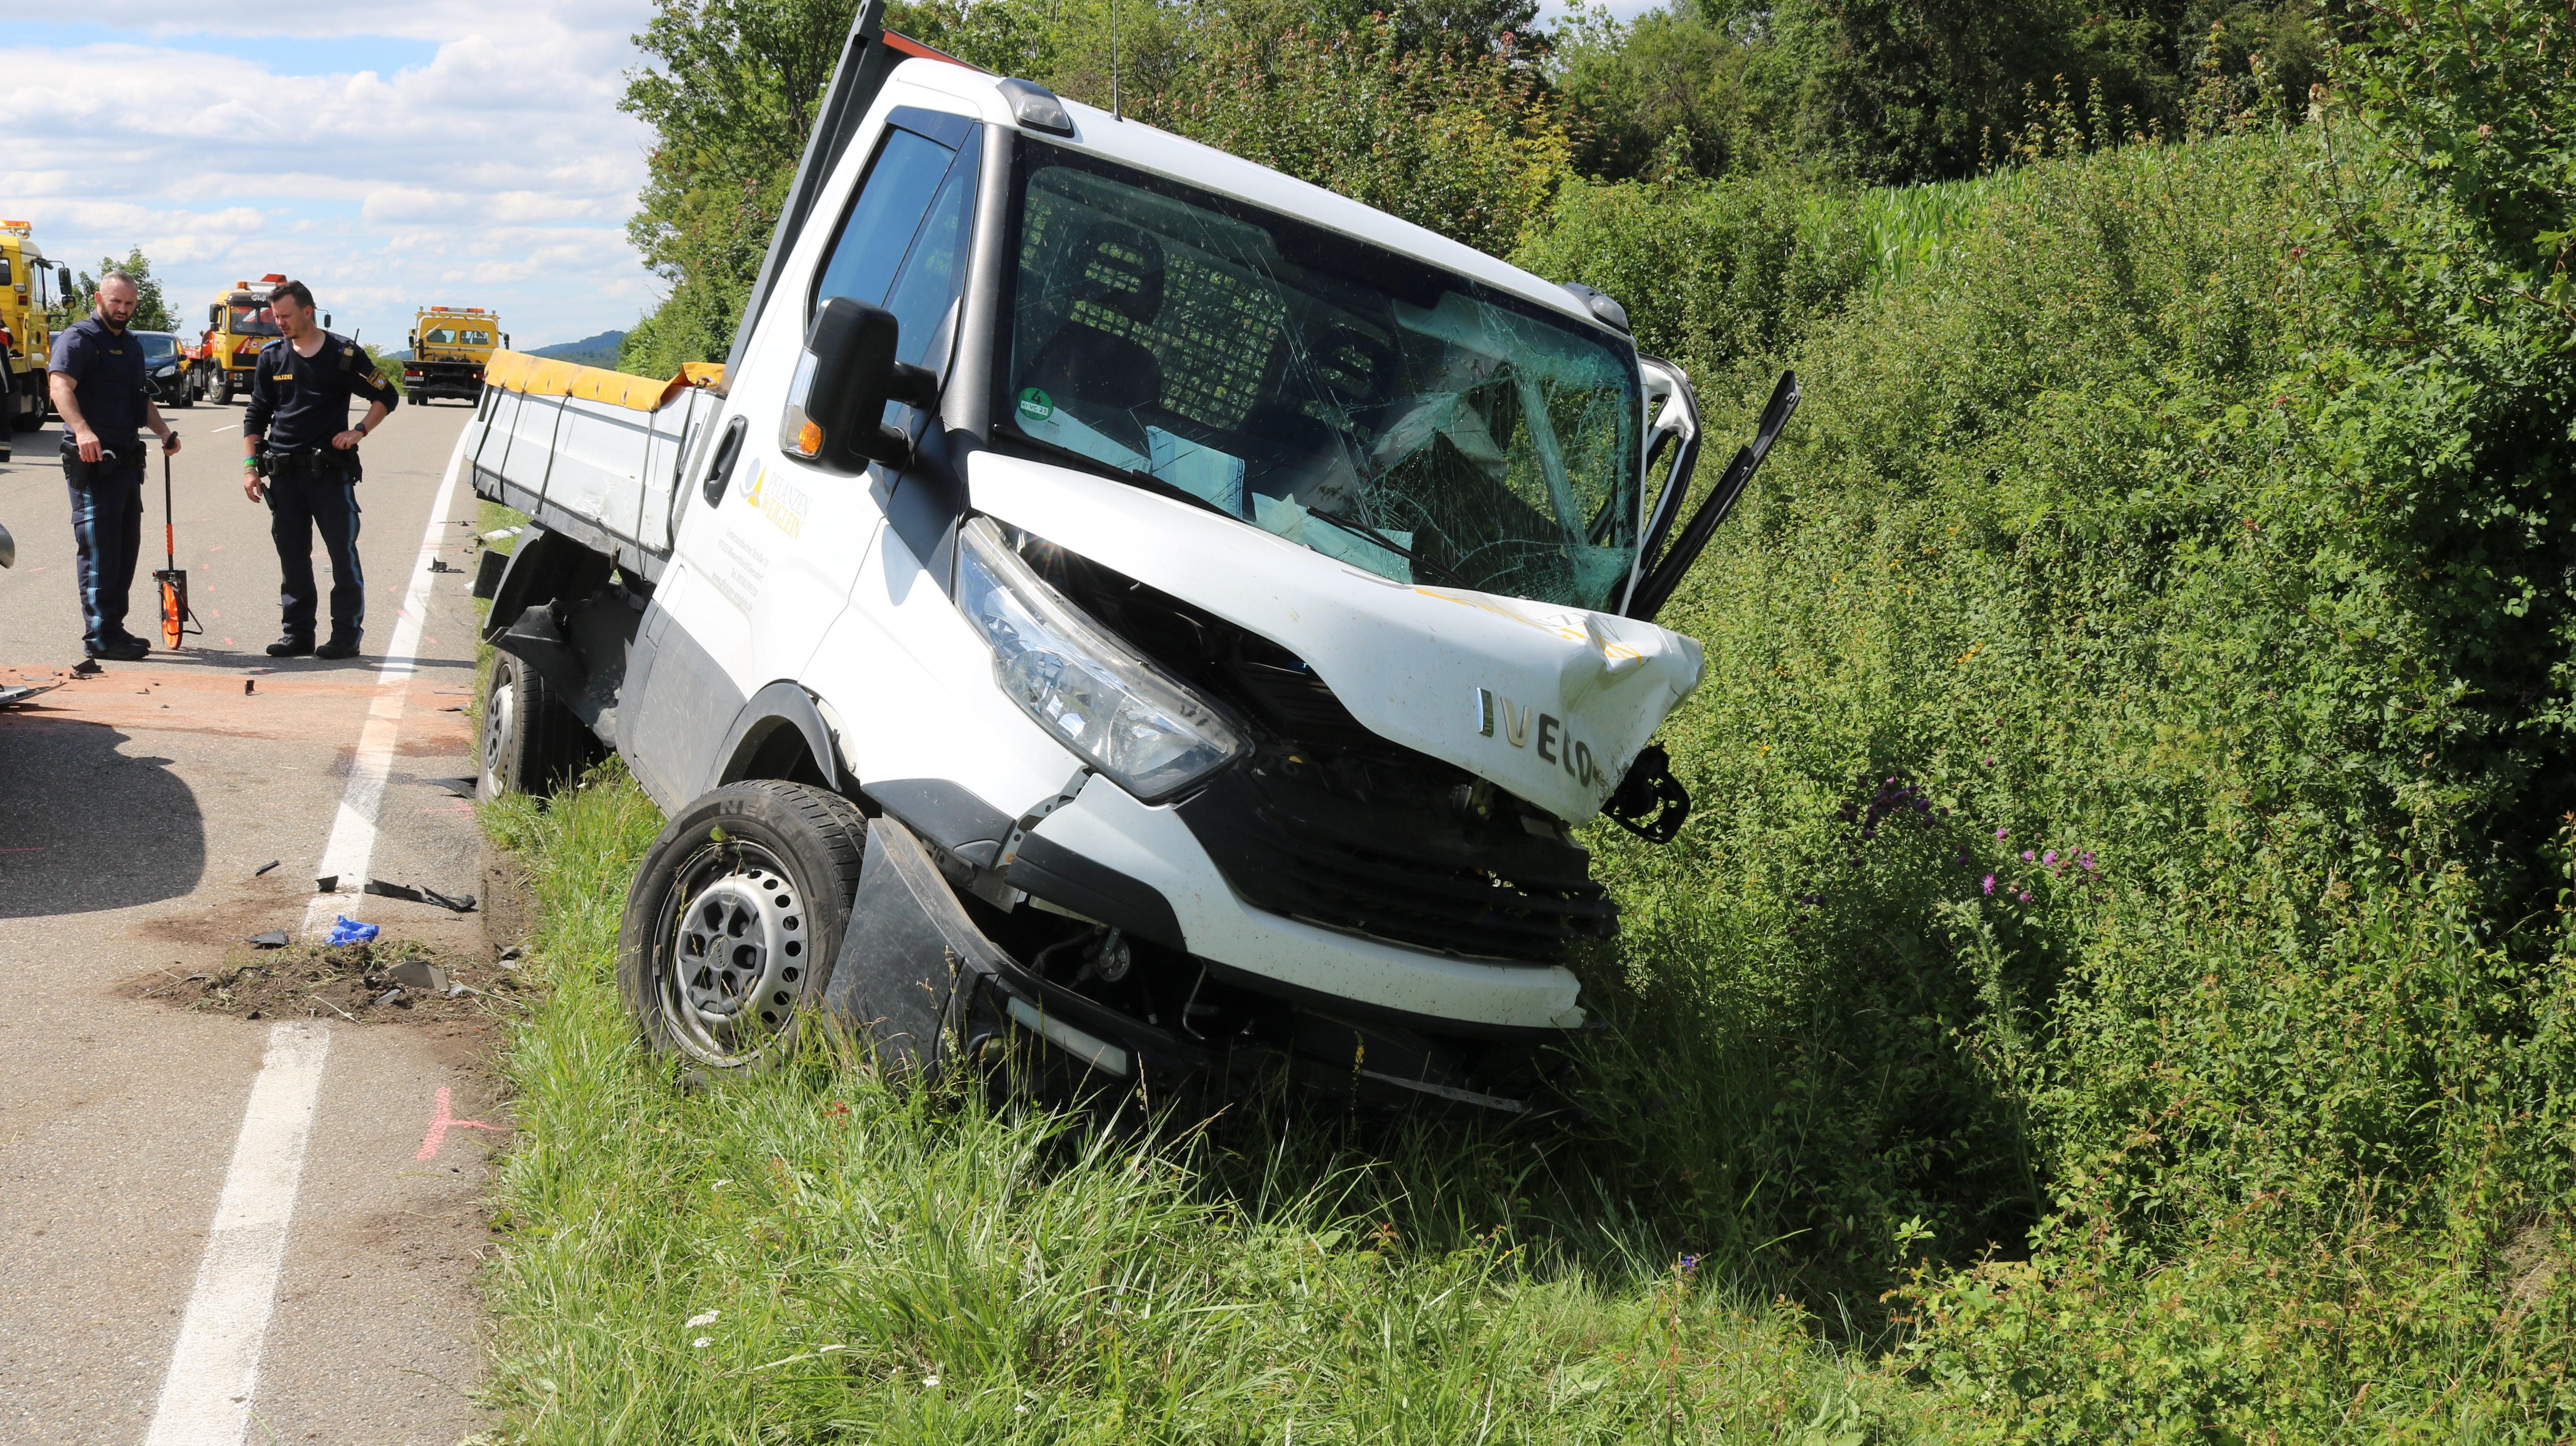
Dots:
{"x": 1524, "y": 727}
{"x": 780, "y": 502}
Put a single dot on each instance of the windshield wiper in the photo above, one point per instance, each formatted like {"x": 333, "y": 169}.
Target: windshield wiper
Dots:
{"x": 1363, "y": 530}
{"x": 1146, "y": 480}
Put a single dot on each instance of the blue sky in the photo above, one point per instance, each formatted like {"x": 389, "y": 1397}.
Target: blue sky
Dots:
{"x": 459, "y": 152}
{"x": 450, "y": 152}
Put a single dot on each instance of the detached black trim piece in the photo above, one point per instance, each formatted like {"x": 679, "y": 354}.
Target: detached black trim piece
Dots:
{"x": 1058, "y": 875}
{"x": 943, "y": 812}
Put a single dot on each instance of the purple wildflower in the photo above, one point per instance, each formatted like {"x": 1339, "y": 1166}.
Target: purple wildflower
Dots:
{"x": 2025, "y": 896}
{"x": 1990, "y": 883}
{"x": 2085, "y": 859}
{"x": 2001, "y": 834}
{"x": 2049, "y": 858}
{"x": 1688, "y": 1265}
{"x": 2025, "y": 856}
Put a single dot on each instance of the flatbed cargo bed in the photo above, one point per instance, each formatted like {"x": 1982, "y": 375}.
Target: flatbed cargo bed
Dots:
{"x": 587, "y": 452}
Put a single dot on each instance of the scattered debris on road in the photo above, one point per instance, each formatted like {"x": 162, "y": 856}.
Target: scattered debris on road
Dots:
{"x": 273, "y": 939}
{"x": 419, "y": 974}
{"x": 263, "y": 868}
{"x": 16, "y": 693}
{"x": 398, "y": 981}
{"x": 87, "y": 668}
{"x": 420, "y": 894}
{"x": 346, "y": 930}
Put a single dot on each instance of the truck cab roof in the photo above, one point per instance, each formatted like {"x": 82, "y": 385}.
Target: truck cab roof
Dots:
{"x": 1148, "y": 148}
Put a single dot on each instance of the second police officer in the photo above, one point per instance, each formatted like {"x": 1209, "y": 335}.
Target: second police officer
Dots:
{"x": 299, "y": 416}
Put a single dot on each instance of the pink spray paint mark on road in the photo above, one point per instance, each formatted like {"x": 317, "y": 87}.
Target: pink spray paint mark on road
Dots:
{"x": 441, "y": 1122}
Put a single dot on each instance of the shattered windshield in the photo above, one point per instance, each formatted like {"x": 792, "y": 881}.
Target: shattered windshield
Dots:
{"x": 1383, "y": 412}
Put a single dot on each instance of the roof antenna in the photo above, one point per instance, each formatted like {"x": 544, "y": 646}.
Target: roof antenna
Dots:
{"x": 1116, "y": 111}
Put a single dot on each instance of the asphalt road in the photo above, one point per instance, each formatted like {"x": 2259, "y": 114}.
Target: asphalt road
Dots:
{"x": 135, "y": 808}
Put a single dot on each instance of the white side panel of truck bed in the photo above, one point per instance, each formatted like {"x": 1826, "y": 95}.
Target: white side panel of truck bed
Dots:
{"x": 603, "y": 473}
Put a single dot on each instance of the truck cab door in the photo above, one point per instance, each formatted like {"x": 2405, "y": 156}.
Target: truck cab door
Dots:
{"x": 767, "y": 566}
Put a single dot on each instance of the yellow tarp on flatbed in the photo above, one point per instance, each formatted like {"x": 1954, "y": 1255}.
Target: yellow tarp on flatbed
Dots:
{"x": 537, "y": 376}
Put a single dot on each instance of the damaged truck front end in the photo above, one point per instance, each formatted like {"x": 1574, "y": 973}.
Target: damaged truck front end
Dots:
{"x": 1123, "y": 610}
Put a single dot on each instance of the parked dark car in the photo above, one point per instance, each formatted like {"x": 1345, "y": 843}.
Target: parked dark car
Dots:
{"x": 165, "y": 370}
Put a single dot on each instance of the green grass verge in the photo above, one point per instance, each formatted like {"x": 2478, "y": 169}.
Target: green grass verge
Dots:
{"x": 816, "y": 1254}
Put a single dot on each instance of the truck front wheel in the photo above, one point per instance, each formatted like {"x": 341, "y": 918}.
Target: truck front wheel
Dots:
{"x": 224, "y": 388}
{"x": 734, "y": 919}
{"x": 531, "y": 741}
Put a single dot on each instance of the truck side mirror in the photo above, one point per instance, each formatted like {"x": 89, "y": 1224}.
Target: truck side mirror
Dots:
{"x": 64, "y": 275}
{"x": 843, "y": 381}
{"x": 215, "y": 315}
{"x": 326, "y": 321}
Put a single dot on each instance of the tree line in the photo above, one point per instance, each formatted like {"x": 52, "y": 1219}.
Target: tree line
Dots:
{"x": 1466, "y": 116}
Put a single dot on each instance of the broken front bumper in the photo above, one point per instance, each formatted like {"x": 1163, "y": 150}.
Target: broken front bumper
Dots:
{"x": 923, "y": 985}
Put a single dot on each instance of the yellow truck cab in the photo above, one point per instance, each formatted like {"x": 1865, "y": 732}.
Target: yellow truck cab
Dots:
{"x": 28, "y": 284}
{"x": 238, "y": 324}
{"x": 449, "y": 347}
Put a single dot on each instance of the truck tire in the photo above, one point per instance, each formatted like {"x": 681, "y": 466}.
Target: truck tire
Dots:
{"x": 27, "y": 402}
{"x": 531, "y": 742}
{"x": 224, "y": 388}
{"x": 734, "y": 919}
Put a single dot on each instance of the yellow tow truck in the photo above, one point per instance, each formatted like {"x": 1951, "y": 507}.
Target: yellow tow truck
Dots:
{"x": 28, "y": 284}
{"x": 449, "y": 347}
{"x": 238, "y": 324}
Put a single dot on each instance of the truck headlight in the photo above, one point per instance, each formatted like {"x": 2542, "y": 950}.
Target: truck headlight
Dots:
{"x": 1149, "y": 734}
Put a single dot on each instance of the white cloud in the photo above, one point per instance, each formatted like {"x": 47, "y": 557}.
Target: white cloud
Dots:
{"x": 499, "y": 173}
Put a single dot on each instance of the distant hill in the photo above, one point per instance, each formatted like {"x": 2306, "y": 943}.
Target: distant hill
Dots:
{"x": 590, "y": 351}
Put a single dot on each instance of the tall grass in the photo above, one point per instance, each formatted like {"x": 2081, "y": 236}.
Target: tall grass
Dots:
{"x": 814, "y": 1254}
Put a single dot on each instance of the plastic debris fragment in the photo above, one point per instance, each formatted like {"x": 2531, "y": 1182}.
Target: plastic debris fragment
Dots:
{"x": 349, "y": 931}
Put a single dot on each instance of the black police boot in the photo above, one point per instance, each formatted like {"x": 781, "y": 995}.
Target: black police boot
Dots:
{"x": 338, "y": 648}
{"x": 123, "y": 650}
{"x": 290, "y": 646}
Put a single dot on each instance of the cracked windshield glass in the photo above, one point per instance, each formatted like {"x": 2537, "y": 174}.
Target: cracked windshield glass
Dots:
{"x": 1387, "y": 414}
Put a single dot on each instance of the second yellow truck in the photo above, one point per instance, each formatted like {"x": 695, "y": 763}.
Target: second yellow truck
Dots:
{"x": 449, "y": 347}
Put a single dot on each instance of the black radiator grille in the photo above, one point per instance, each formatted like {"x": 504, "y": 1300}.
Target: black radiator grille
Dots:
{"x": 1421, "y": 876}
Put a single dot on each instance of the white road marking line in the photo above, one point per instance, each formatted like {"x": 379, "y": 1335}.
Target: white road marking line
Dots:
{"x": 353, "y": 832}
{"x": 214, "y": 1369}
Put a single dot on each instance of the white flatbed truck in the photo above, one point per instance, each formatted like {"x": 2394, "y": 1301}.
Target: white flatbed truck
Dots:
{"x": 1117, "y": 601}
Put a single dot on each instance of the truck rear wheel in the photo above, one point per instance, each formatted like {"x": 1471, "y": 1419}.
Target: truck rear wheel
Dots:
{"x": 734, "y": 919}
{"x": 26, "y": 401}
{"x": 531, "y": 742}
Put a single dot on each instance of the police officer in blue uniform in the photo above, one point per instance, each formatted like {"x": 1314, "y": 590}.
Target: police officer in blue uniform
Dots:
{"x": 96, "y": 376}
{"x": 297, "y": 431}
